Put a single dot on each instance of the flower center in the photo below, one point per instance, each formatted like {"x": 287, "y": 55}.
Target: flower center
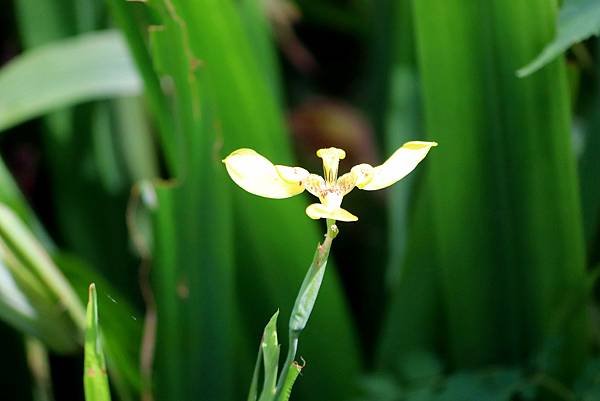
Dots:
{"x": 331, "y": 160}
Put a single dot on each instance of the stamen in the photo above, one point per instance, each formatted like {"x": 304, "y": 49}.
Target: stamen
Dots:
{"x": 331, "y": 158}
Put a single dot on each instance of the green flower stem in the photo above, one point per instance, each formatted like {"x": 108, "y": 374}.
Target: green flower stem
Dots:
{"x": 304, "y": 304}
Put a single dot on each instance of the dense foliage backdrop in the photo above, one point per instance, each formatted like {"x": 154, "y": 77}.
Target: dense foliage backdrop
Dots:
{"x": 474, "y": 279}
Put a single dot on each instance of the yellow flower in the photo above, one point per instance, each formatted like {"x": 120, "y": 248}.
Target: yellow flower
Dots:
{"x": 256, "y": 174}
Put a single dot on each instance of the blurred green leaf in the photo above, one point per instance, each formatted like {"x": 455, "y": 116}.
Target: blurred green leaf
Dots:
{"x": 192, "y": 282}
{"x": 39, "y": 364}
{"x": 44, "y": 21}
{"x": 587, "y": 386}
{"x": 413, "y": 319}
{"x": 95, "y": 377}
{"x": 589, "y": 165}
{"x": 503, "y": 184}
{"x": 578, "y": 20}
{"x": 261, "y": 37}
{"x": 37, "y": 297}
{"x": 496, "y": 385}
{"x": 11, "y": 196}
{"x": 88, "y": 67}
{"x": 29, "y": 307}
{"x": 135, "y": 33}
{"x": 134, "y": 140}
{"x": 253, "y": 391}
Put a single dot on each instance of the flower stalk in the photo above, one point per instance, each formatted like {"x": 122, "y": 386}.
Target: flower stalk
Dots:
{"x": 303, "y": 306}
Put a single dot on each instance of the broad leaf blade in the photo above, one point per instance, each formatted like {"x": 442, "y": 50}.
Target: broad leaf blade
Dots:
{"x": 505, "y": 166}
{"x": 88, "y": 67}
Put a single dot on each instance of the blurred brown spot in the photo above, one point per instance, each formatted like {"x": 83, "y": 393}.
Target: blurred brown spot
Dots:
{"x": 321, "y": 123}
{"x": 183, "y": 290}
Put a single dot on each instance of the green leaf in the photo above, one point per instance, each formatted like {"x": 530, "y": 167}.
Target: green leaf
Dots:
{"x": 578, "y": 20}
{"x": 88, "y": 67}
{"x": 414, "y": 312}
{"x": 37, "y": 298}
{"x": 589, "y": 166}
{"x": 261, "y": 37}
{"x": 505, "y": 207}
{"x": 95, "y": 378}
{"x": 193, "y": 285}
{"x": 270, "y": 352}
{"x": 11, "y": 196}
{"x": 122, "y": 330}
{"x": 253, "y": 391}
{"x": 134, "y": 32}
{"x": 495, "y": 385}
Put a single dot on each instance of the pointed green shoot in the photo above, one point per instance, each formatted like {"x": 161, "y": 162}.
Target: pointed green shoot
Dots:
{"x": 270, "y": 351}
{"x": 253, "y": 392}
{"x": 95, "y": 379}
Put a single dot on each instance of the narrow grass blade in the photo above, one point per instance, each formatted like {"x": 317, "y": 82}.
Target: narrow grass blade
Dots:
{"x": 95, "y": 377}
{"x": 91, "y": 66}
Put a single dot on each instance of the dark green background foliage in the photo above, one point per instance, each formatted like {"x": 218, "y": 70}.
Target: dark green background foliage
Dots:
{"x": 472, "y": 279}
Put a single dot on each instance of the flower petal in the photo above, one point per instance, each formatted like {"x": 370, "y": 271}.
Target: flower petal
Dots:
{"x": 257, "y": 175}
{"x": 319, "y": 211}
{"x": 402, "y": 162}
{"x": 363, "y": 174}
{"x": 292, "y": 175}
